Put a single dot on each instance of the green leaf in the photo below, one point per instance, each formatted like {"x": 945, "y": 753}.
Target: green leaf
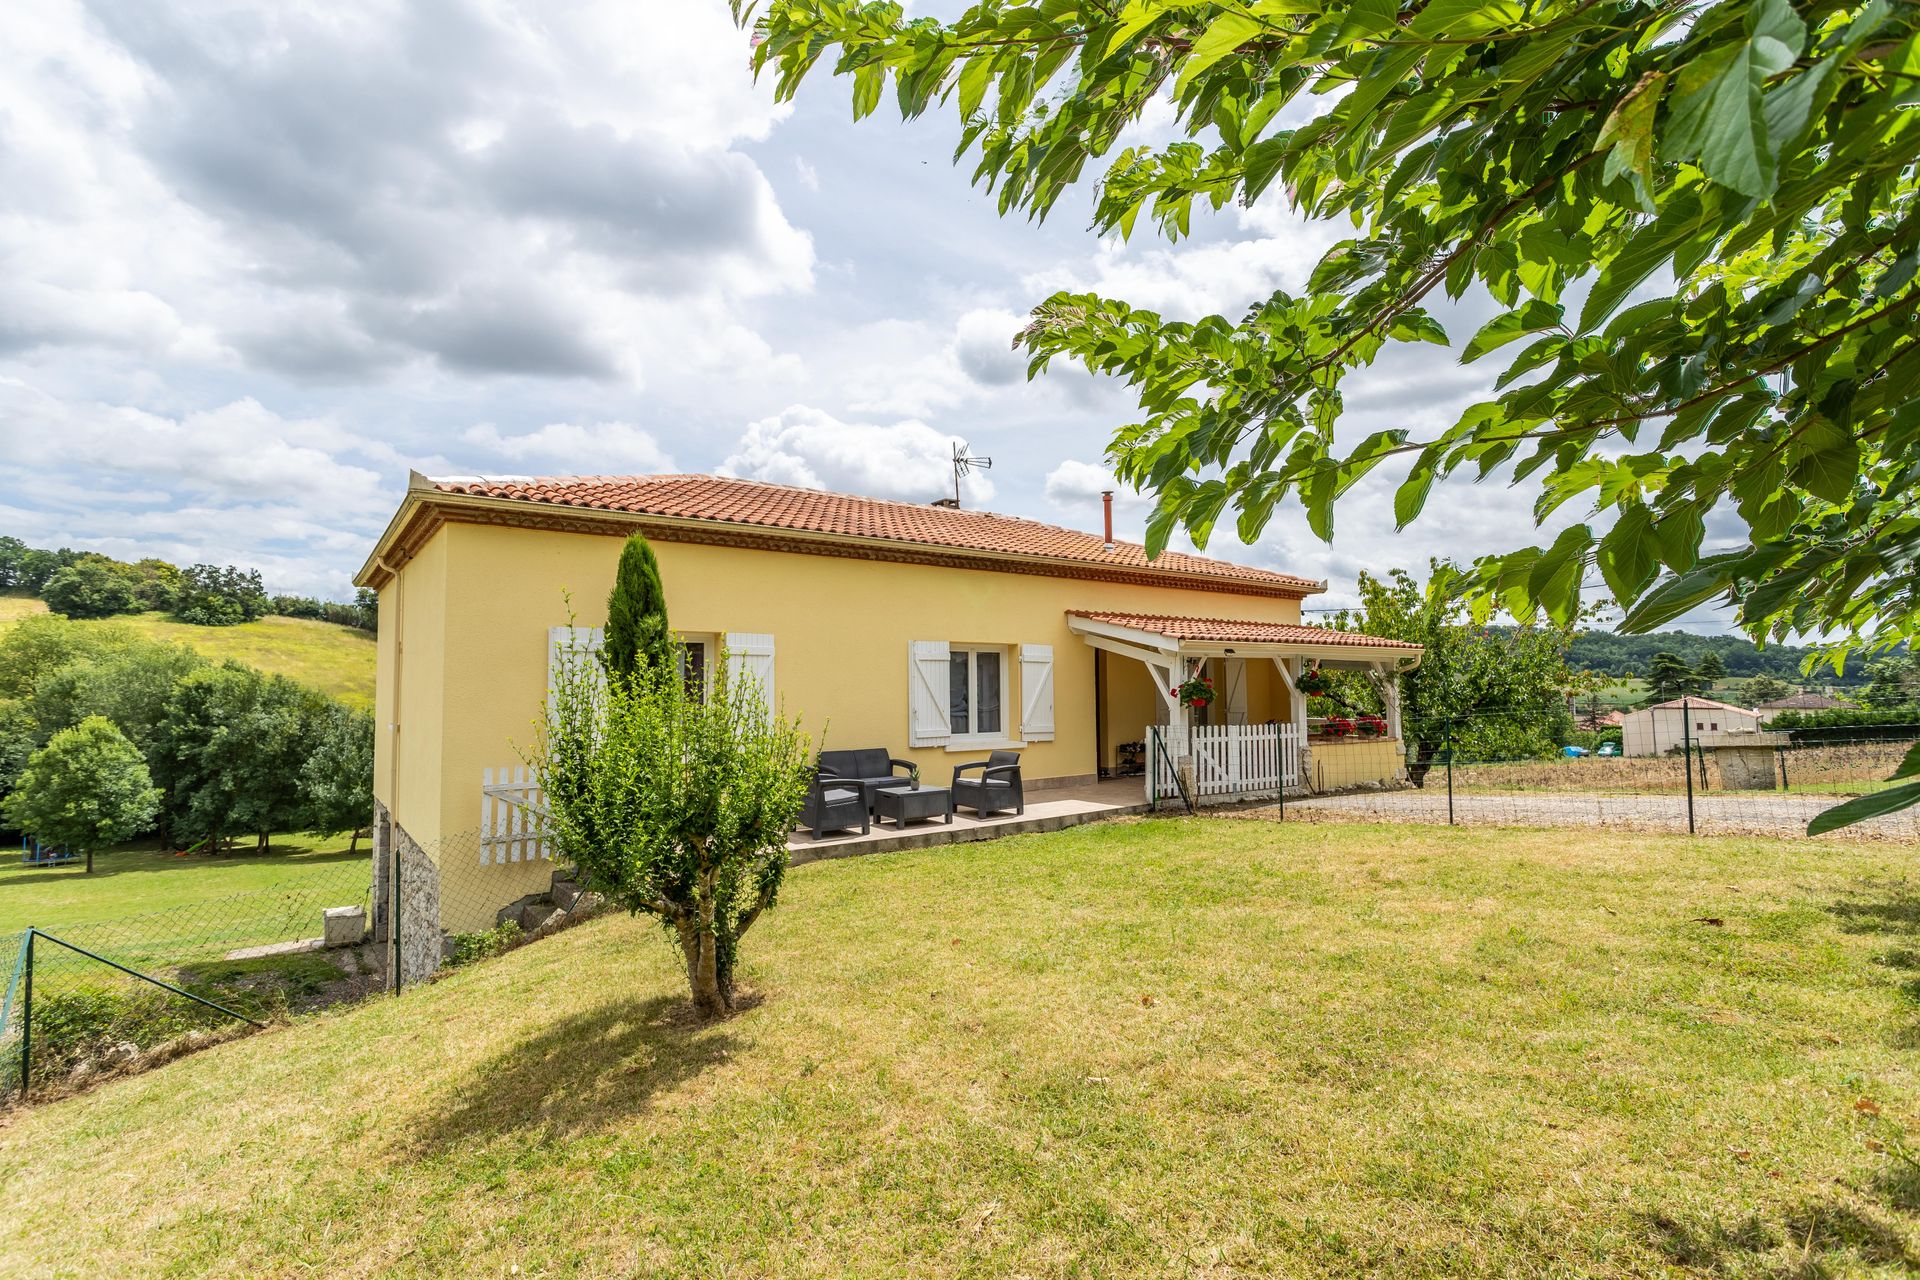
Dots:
{"x": 1877, "y": 804}
{"x": 1228, "y": 32}
{"x": 868, "y": 82}
{"x": 1910, "y": 766}
{"x": 1530, "y": 317}
{"x": 1625, "y": 556}
{"x": 1554, "y": 580}
{"x": 1650, "y": 246}
{"x": 1717, "y": 114}
{"x": 1629, "y": 133}
{"x": 1674, "y": 597}
{"x": 1676, "y": 537}
{"x": 975, "y": 77}
{"x": 1826, "y": 461}
{"x": 1411, "y": 496}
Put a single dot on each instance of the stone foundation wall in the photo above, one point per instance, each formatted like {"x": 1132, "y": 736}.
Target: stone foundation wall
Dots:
{"x": 419, "y": 910}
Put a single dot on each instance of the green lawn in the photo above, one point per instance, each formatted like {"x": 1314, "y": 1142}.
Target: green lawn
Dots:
{"x": 1163, "y": 1048}
{"x": 143, "y": 903}
{"x": 337, "y": 660}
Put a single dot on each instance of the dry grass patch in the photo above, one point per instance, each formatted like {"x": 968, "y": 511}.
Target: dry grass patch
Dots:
{"x": 1163, "y": 1048}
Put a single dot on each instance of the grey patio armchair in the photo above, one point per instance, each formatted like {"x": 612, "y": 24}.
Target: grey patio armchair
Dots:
{"x": 996, "y": 790}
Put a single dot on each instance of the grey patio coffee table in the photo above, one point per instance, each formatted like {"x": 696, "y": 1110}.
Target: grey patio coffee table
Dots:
{"x": 906, "y": 805}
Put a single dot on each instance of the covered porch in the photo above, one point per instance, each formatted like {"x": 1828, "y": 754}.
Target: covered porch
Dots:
{"x": 1255, "y": 738}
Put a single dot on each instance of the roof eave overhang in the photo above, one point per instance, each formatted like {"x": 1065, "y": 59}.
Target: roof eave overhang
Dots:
{"x": 1123, "y": 639}
{"x": 425, "y": 505}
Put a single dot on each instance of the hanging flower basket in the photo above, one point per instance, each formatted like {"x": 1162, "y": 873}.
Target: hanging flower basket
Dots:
{"x": 1313, "y": 682}
{"x": 1194, "y": 691}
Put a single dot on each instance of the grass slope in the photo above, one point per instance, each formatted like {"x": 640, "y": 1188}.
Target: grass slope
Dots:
{"x": 337, "y": 660}
{"x": 1164, "y": 1048}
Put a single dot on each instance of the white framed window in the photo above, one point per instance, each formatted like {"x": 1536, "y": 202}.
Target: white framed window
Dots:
{"x": 694, "y": 654}
{"x": 977, "y": 693}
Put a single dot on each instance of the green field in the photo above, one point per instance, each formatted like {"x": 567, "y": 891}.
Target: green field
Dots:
{"x": 142, "y": 878}
{"x": 1191, "y": 1048}
{"x": 14, "y": 607}
{"x": 334, "y": 659}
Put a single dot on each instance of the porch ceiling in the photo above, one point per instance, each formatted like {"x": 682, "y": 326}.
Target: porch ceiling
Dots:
{"x": 1173, "y": 637}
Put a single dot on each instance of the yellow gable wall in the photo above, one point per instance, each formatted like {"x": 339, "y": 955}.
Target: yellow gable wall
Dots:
{"x": 479, "y": 601}
{"x": 412, "y": 668}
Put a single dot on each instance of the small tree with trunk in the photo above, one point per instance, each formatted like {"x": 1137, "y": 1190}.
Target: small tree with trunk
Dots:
{"x": 86, "y": 788}
{"x": 674, "y": 802}
{"x": 1764, "y": 688}
{"x": 637, "y": 631}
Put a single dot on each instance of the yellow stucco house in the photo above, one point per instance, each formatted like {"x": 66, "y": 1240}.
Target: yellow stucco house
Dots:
{"x": 935, "y": 632}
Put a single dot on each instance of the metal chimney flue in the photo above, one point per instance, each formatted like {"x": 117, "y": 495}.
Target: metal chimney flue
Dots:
{"x": 1106, "y": 501}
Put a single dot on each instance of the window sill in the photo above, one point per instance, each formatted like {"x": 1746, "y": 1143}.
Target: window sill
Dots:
{"x": 974, "y": 746}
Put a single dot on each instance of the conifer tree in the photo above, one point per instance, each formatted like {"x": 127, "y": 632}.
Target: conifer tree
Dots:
{"x": 637, "y": 630}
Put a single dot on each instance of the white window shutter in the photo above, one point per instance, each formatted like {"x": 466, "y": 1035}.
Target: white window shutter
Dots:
{"x": 750, "y": 654}
{"x": 929, "y": 723}
{"x": 1036, "y": 692}
{"x": 584, "y": 642}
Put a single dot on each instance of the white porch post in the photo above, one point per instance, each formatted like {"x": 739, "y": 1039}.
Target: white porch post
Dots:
{"x": 1390, "y": 695}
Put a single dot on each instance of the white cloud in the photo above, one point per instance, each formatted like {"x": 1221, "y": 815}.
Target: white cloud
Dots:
{"x": 1218, "y": 277}
{"x": 339, "y": 193}
{"x": 298, "y": 498}
{"x": 814, "y": 450}
{"x": 600, "y": 448}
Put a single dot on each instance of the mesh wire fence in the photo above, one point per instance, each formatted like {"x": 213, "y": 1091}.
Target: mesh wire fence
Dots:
{"x": 267, "y": 954}
{"x": 1695, "y": 775}
{"x": 261, "y": 954}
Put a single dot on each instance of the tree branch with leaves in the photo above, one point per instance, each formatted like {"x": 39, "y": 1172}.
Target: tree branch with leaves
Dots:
{"x": 1697, "y": 221}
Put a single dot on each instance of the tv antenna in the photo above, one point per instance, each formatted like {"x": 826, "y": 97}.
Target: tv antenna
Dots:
{"x": 965, "y": 464}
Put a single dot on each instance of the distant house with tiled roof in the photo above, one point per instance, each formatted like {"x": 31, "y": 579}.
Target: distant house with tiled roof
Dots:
{"x": 1667, "y": 726}
{"x": 936, "y": 633}
{"x": 1799, "y": 702}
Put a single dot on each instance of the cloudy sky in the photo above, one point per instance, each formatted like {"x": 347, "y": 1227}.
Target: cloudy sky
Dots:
{"x": 257, "y": 260}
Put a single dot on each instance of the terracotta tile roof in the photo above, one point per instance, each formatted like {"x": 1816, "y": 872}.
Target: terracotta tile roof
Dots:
{"x": 1698, "y": 704}
{"x": 1230, "y": 631}
{"x": 762, "y": 505}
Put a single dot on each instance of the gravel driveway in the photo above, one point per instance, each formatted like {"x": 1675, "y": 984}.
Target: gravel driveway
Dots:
{"x": 1755, "y": 813}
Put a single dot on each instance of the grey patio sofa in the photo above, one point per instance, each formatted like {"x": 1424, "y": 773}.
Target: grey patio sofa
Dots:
{"x": 871, "y": 768}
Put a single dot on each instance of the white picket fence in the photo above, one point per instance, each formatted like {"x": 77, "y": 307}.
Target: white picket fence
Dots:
{"x": 1230, "y": 761}
{"x": 512, "y": 813}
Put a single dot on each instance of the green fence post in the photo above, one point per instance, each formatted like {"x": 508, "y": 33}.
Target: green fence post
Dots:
{"x": 26, "y": 1022}
{"x": 1686, "y": 755}
{"x": 1449, "y": 773}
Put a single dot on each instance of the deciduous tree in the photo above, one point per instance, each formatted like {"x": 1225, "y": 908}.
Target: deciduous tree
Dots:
{"x": 674, "y": 805}
{"x": 336, "y": 780}
{"x": 86, "y": 788}
{"x": 1764, "y": 689}
{"x": 91, "y": 587}
{"x": 1493, "y": 693}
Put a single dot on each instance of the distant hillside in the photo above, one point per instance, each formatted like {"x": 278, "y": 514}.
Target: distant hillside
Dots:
{"x": 334, "y": 659}
{"x": 1618, "y": 655}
